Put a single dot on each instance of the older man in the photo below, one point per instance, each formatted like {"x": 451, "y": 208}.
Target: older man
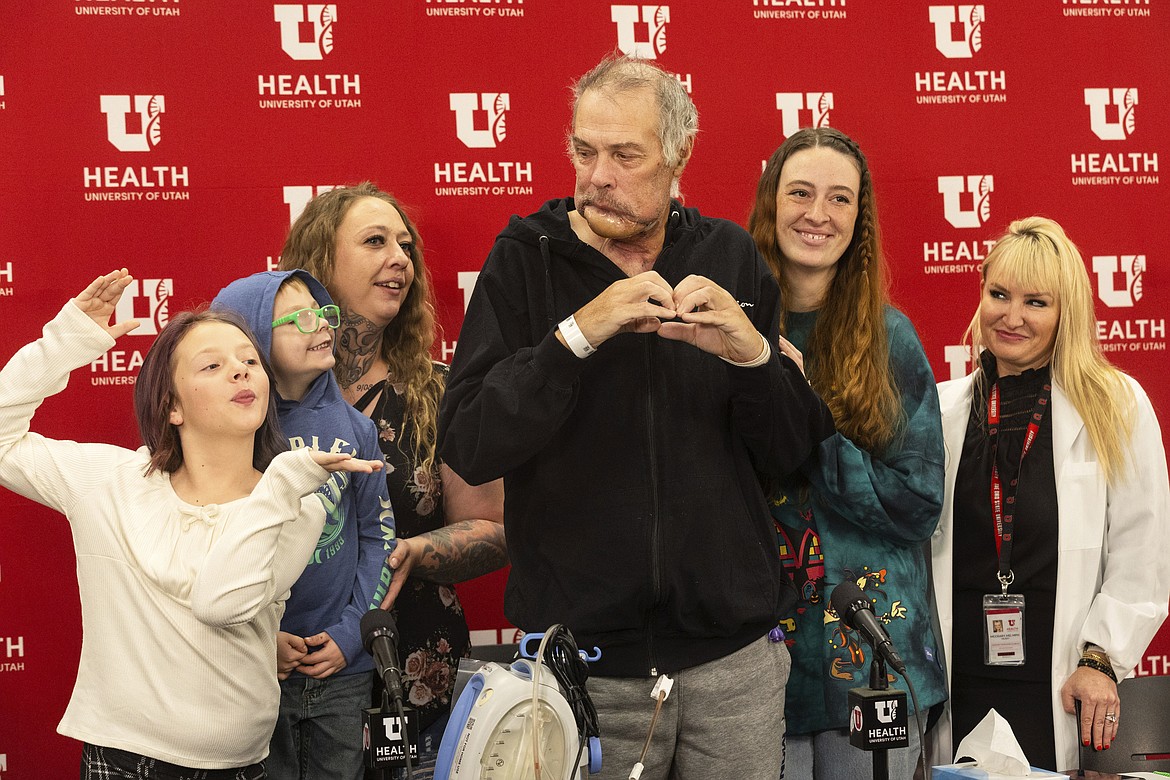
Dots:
{"x": 615, "y": 369}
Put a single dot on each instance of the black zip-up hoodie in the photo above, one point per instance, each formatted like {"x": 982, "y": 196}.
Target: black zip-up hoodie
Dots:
{"x": 633, "y": 505}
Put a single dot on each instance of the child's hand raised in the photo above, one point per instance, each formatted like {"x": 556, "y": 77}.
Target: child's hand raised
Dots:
{"x": 100, "y": 298}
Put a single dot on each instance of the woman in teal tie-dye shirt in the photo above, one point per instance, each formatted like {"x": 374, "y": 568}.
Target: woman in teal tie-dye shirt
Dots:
{"x": 866, "y": 502}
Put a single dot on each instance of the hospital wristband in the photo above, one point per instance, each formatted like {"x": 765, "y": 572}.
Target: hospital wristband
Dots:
{"x": 575, "y": 338}
{"x": 758, "y": 360}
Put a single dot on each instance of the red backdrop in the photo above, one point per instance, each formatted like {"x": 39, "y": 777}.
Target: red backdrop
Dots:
{"x": 179, "y": 137}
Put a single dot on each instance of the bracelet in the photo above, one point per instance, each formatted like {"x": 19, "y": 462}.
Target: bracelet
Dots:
{"x": 758, "y": 360}
{"x": 1093, "y": 663}
{"x": 1096, "y": 652}
{"x": 575, "y": 338}
{"x": 1097, "y": 655}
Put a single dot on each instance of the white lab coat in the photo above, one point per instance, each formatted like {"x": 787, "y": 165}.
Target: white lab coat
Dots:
{"x": 1113, "y": 565}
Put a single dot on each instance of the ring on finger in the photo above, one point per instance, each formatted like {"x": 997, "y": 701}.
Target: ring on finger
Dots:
{"x": 1110, "y": 717}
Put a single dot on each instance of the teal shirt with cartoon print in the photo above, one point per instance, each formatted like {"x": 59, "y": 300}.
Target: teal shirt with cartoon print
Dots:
{"x": 867, "y": 519}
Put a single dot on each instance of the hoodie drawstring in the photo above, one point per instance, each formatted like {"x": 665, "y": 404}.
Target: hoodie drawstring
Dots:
{"x": 549, "y": 302}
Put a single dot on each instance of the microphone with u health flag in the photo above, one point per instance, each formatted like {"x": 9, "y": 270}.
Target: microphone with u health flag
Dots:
{"x": 380, "y": 638}
{"x": 856, "y": 611}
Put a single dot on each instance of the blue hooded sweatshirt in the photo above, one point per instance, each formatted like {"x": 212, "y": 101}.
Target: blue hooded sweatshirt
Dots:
{"x": 346, "y": 575}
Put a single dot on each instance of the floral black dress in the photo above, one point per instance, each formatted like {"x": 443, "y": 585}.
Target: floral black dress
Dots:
{"x": 432, "y": 628}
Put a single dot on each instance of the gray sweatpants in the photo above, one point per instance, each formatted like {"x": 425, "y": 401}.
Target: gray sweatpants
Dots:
{"x": 724, "y": 718}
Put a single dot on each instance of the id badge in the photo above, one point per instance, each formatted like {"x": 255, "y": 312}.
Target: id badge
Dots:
{"x": 1003, "y": 629}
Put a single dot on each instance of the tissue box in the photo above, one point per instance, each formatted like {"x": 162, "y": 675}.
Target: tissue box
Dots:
{"x": 969, "y": 772}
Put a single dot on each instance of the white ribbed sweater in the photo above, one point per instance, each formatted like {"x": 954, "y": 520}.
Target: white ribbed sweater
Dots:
{"x": 180, "y": 604}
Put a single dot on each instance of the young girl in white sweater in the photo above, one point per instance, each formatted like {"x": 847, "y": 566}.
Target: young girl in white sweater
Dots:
{"x": 186, "y": 548}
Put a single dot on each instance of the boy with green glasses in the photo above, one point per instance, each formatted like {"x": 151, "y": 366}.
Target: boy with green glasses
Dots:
{"x": 326, "y": 676}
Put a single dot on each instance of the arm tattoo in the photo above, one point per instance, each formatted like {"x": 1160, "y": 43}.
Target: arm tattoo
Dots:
{"x": 358, "y": 340}
{"x": 461, "y": 551}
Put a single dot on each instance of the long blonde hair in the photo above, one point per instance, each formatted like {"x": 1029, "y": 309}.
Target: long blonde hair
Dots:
{"x": 1036, "y": 254}
{"x": 408, "y": 339}
{"x": 848, "y": 351}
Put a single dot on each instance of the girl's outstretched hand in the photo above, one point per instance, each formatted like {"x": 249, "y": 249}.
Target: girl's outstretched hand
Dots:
{"x": 341, "y": 461}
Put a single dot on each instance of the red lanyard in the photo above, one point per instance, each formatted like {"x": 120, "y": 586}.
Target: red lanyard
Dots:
{"x": 1003, "y": 505}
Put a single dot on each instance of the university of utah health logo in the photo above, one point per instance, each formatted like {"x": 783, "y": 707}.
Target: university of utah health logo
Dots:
{"x": 966, "y": 204}
{"x": 134, "y": 124}
{"x": 466, "y": 105}
{"x": 1120, "y": 101}
{"x": 958, "y": 29}
{"x": 978, "y": 188}
{"x": 296, "y": 197}
{"x": 1112, "y": 118}
{"x": 137, "y": 131}
{"x": 1130, "y": 269}
{"x": 958, "y": 35}
{"x": 306, "y": 31}
{"x": 480, "y": 124}
{"x": 1125, "y": 327}
{"x": 653, "y": 18}
{"x": 791, "y": 104}
{"x": 146, "y": 301}
{"x": 306, "y": 35}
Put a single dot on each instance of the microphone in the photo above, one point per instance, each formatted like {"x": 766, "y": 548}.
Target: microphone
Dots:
{"x": 855, "y": 611}
{"x": 380, "y": 638}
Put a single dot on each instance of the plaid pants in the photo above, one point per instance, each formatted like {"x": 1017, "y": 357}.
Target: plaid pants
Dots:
{"x": 103, "y": 763}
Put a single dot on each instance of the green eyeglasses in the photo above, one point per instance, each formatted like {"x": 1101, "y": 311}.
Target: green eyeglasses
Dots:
{"x": 309, "y": 320}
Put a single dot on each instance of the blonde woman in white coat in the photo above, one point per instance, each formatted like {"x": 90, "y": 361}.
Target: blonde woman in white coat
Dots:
{"x": 1083, "y": 535}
